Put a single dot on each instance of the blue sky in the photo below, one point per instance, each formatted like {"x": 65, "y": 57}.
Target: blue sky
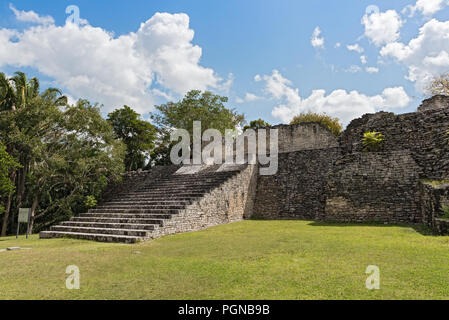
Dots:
{"x": 259, "y": 53}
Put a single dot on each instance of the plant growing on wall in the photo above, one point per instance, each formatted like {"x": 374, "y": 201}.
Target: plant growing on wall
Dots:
{"x": 372, "y": 141}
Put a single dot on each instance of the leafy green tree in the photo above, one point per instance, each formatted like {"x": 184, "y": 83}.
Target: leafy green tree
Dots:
{"x": 80, "y": 158}
{"x": 65, "y": 153}
{"x": 196, "y": 106}
{"x": 257, "y": 124}
{"x": 206, "y": 107}
{"x": 26, "y": 115}
{"x": 137, "y": 134}
{"x": 333, "y": 124}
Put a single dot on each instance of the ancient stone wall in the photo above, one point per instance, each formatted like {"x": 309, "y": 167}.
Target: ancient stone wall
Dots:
{"x": 434, "y": 195}
{"x": 374, "y": 187}
{"x": 296, "y": 191}
{"x": 424, "y": 134}
{"x": 306, "y": 136}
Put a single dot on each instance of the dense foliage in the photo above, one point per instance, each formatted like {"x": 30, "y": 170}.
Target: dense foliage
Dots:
{"x": 195, "y": 106}
{"x": 138, "y": 135}
{"x": 333, "y": 124}
{"x": 65, "y": 152}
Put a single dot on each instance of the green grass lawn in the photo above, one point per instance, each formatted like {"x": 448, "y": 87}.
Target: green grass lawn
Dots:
{"x": 245, "y": 260}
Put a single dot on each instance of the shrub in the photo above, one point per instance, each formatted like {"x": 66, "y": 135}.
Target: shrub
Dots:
{"x": 333, "y": 124}
{"x": 90, "y": 202}
{"x": 372, "y": 141}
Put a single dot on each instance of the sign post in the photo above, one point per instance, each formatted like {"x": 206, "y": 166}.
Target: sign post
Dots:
{"x": 24, "y": 217}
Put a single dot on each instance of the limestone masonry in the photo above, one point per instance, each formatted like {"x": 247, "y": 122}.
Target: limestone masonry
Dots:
{"x": 320, "y": 177}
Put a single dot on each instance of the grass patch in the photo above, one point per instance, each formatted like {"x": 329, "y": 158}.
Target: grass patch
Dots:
{"x": 245, "y": 260}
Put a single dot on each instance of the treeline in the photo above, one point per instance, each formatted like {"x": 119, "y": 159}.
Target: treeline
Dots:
{"x": 57, "y": 158}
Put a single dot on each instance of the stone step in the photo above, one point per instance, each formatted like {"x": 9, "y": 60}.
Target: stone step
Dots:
{"x": 120, "y": 231}
{"x": 119, "y": 220}
{"x": 129, "y": 226}
{"x": 133, "y": 210}
{"x": 145, "y": 203}
{"x": 90, "y": 236}
{"x": 175, "y": 189}
{"x": 155, "y": 198}
{"x": 126, "y": 215}
{"x": 183, "y": 184}
{"x": 152, "y": 196}
{"x": 140, "y": 207}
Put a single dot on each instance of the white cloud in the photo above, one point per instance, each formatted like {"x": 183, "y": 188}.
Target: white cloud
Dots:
{"x": 426, "y": 56}
{"x": 249, "y": 97}
{"x": 339, "y": 103}
{"x": 395, "y": 98}
{"x": 382, "y": 27}
{"x": 355, "y": 47}
{"x": 337, "y": 45}
{"x": 363, "y": 59}
{"x": 316, "y": 41}
{"x": 426, "y": 7}
{"x": 353, "y": 69}
{"x": 372, "y": 69}
{"x": 30, "y": 16}
{"x": 89, "y": 62}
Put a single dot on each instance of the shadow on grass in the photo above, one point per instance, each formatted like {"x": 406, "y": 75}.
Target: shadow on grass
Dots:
{"x": 421, "y": 229}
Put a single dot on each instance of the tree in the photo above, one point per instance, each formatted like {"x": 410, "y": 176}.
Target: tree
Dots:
{"x": 80, "y": 159}
{"x": 257, "y": 124}
{"x": 24, "y": 119}
{"x": 333, "y": 124}
{"x": 206, "y": 107}
{"x": 7, "y": 165}
{"x": 66, "y": 154}
{"x": 439, "y": 85}
{"x": 196, "y": 106}
{"x": 138, "y": 135}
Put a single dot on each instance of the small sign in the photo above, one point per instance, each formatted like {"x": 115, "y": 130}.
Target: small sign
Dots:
{"x": 23, "y": 215}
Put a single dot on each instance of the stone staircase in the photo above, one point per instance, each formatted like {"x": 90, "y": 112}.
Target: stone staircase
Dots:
{"x": 142, "y": 214}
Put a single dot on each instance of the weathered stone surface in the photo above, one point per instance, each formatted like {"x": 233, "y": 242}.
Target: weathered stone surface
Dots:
{"x": 297, "y": 190}
{"x": 165, "y": 202}
{"x": 434, "y": 103}
{"x": 424, "y": 134}
{"x": 373, "y": 187}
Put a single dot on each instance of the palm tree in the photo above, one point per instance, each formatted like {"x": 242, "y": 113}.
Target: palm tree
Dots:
{"x": 17, "y": 91}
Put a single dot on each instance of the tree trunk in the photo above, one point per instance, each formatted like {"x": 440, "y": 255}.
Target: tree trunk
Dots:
{"x": 20, "y": 191}
{"x": 32, "y": 214}
{"x": 7, "y": 210}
